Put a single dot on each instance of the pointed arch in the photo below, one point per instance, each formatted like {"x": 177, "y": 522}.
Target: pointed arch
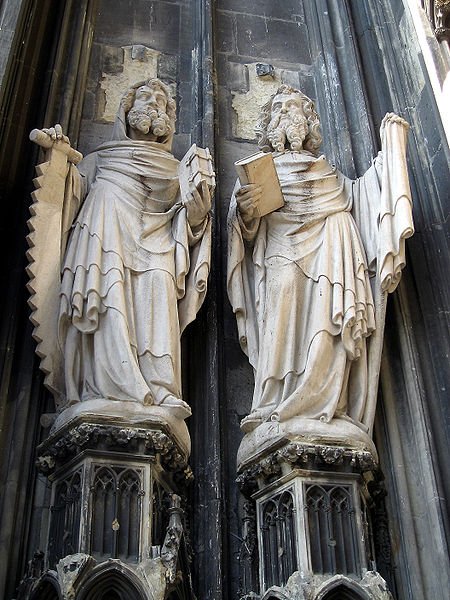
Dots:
{"x": 116, "y": 513}
{"x": 333, "y": 536}
{"x": 342, "y": 588}
{"x": 279, "y": 539}
{"x": 47, "y": 589}
{"x": 343, "y": 593}
{"x": 112, "y": 582}
{"x": 65, "y": 514}
{"x": 275, "y": 593}
{"x": 128, "y": 512}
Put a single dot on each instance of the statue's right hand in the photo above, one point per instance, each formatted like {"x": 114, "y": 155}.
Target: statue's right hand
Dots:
{"x": 247, "y": 198}
{"x": 46, "y": 137}
{"x": 56, "y": 133}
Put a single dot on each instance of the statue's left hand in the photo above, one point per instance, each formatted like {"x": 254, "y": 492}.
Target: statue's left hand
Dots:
{"x": 198, "y": 205}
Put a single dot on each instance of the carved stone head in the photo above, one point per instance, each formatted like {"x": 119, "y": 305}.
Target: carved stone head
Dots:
{"x": 288, "y": 121}
{"x": 150, "y": 110}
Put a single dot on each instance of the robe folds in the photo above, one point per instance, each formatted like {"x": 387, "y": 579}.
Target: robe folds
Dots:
{"x": 134, "y": 275}
{"x": 299, "y": 281}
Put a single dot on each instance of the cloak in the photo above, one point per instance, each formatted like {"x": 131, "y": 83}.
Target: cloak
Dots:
{"x": 134, "y": 275}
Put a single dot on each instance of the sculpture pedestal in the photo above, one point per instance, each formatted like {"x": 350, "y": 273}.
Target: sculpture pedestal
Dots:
{"x": 310, "y": 530}
{"x": 118, "y": 477}
{"x": 271, "y": 435}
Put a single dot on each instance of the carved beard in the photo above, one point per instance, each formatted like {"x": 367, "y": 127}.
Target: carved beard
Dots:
{"x": 287, "y": 128}
{"x": 148, "y": 120}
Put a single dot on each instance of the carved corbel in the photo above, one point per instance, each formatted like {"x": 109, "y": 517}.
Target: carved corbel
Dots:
{"x": 172, "y": 541}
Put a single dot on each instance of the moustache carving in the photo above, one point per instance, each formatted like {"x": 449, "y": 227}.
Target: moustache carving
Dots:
{"x": 149, "y": 119}
{"x": 287, "y": 128}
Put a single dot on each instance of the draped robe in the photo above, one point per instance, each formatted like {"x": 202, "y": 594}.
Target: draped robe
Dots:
{"x": 298, "y": 281}
{"x": 134, "y": 276}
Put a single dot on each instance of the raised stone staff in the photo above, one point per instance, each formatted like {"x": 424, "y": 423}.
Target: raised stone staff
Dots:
{"x": 308, "y": 281}
{"x": 135, "y": 266}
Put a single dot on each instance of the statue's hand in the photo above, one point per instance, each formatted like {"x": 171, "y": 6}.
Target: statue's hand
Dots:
{"x": 56, "y": 133}
{"x": 54, "y": 137}
{"x": 47, "y": 137}
{"x": 198, "y": 205}
{"x": 247, "y": 198}
{"x": 393, "y": 118}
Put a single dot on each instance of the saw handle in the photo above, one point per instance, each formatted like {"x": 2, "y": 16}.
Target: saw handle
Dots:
{"x": 42, "y": 139}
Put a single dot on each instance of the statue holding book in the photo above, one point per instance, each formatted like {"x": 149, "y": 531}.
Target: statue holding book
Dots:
{"x": 133, "y": 250}
{"x": 308, "y": 280}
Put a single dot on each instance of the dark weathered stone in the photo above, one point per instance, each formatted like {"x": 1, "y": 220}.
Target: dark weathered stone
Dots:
{"x": 168, "y": 67}
{"x": 288, "y": 10}
{"x": 184, "y": 107}
{"x": 112, "y": 59}
{"x": 264, "y": 70}
{"x": 237, "y": 80}
{"x": 30, "y": 52}
{"x": 225, "y": 32}
{"x": 272, "y": 39}
{"x": 153, "y": 24}
{"x": 433, "y": 137}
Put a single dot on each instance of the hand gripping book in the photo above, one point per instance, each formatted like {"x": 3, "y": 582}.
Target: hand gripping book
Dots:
{"x": 196, "y": 169}
{"x": 259, "y": 168}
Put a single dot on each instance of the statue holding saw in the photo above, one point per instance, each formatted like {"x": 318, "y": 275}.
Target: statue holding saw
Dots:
{"x": 120, "y": 255}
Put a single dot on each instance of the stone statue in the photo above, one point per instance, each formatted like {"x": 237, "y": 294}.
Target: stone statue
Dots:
{"x": 135, "y": 267}
{"x": 308, "y": 281}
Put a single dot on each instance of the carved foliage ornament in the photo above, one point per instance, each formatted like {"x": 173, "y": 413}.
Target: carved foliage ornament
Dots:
{"x": 89, "y": 435}
{"x": 296, "y": 454}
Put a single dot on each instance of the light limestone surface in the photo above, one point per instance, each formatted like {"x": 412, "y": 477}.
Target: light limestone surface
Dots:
{"x": 317, "y": 587}
{"x": 69, "y": 570}
{"x": 135, "y": 267}
{"x": 137, "y": 60}
{"x": 308, "y": 282}
{"x": 73, "y": 571}
{"x": 246, "y": 105}
{"x": 127, "y": 415}
{"x": 271, "y": 434}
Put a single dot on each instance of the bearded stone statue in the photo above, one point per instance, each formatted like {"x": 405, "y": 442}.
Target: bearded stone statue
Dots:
{"x": 134, "y": 270}
{"x": 308, "y": 282}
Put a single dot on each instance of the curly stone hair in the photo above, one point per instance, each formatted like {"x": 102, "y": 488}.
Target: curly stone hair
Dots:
{"x": 127, "y": 100}
{"x": 314, "y": 138}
